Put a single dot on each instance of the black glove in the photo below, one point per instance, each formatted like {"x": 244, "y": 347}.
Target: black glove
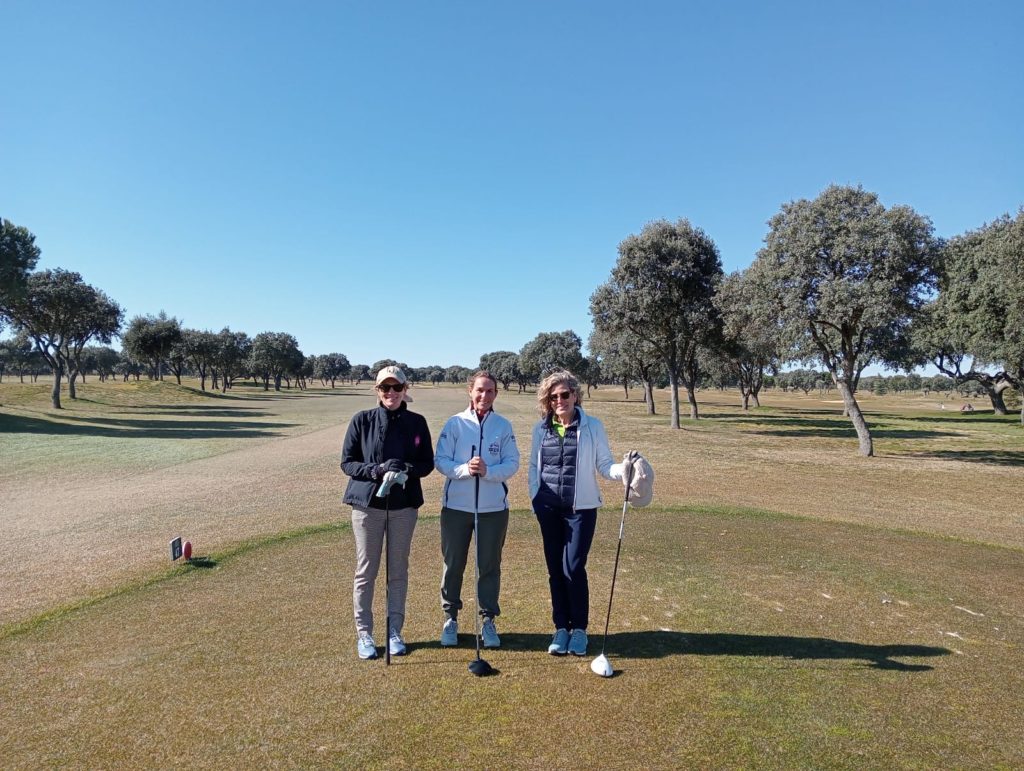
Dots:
{"x": 392, "y": 465}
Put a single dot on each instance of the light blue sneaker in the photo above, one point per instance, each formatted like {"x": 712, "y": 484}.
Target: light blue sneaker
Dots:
{"x": 559, "y": 643}
{"x": 490, "y": 634}
{"x": 396, "y": 644}
{"x": 578, "y": 642}
{"x": 450, "y": 633}
{"x": 366, "y": 647}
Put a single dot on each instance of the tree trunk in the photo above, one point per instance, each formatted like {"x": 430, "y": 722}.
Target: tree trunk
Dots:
{"x": 649, "y": 396}
{"x": 995, "y": 395}
{"x": 673, "y": 381}
{"x": 857, "y": 417}
{"x": 72, "y": 375}
{"x": 746, "y": 399}
{"x": 58, "y": 375}
{"x": 691, "y": 396}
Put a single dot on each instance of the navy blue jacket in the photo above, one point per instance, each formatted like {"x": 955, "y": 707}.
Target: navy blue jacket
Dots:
{"x": 377, "y": 435}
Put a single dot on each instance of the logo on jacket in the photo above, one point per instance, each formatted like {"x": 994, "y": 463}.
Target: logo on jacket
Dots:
{"x": 494, "y": 449}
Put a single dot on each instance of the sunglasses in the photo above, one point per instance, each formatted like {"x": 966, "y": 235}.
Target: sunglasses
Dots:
{"x": 563, "y": 395}
{"x": 388, "y": 387}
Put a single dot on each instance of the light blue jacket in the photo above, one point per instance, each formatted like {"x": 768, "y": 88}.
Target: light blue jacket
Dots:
{"x": 592, "y": 452}
{"x": 495, "y": 443}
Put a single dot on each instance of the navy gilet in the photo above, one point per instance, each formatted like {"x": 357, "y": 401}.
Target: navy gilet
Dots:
{"x": 558, "y": 467}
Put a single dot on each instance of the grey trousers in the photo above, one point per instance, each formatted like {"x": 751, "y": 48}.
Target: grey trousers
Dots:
{"x": 456, "y": 536}
{"x": 368, "y": 528}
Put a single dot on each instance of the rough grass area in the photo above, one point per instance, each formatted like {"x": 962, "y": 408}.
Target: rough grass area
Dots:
{"x": 786, "y": 603}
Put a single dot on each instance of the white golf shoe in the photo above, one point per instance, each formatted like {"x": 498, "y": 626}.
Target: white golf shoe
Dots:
{"x": 365, "y": 646}
{"x": 489, "y": 634}
{"x": 450, "y": 633}
{"x": 396, "y": 644}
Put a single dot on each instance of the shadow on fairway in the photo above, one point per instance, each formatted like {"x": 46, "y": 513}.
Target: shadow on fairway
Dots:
{"x": 658, "y": 644}
{"x": 73, "y": 425}
{"x": 211, "y": 412}
{"x": 837, "y": 428}
{"x": 201, "y": 562}
{"x": 995, "y": 457}
{"x": 836, "y": 432}
{"x": 966, "y": 418}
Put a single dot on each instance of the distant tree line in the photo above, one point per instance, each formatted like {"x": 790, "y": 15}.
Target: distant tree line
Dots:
{"x": 841, "y": 283}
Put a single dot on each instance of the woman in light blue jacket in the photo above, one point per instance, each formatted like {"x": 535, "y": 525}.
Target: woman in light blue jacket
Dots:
{"x": 477, "y": 453}
{"x": 568, "y": 450}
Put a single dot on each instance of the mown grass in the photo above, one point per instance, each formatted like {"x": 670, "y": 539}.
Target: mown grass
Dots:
{"x": 784, "y": 604}
{"x": 137, "y": 426}
{"x": 738, "y": 641}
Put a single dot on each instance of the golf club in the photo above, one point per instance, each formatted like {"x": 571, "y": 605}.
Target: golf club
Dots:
{"x": 601, "y": 665}
{"x": 387, "y": 581}
{"x": 478, "y": 666}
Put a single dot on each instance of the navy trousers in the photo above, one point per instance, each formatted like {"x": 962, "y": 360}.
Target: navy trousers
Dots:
{"x": 567, "y": 535}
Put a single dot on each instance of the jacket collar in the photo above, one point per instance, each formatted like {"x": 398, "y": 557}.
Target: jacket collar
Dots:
{"x": 386, "y": 413}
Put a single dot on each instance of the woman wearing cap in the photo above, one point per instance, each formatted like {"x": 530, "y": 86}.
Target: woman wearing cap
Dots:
{"x": 568, "y": 450}
{"x": 379, "y": 443}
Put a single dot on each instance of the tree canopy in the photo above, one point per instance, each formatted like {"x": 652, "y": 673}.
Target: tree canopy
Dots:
{"x": 549, "y": 351}
{"x": 60, "y": 313}
{"x": 845, "y": 278}
{"x": 18, "y": 255}
{"x": 661, "y": 292}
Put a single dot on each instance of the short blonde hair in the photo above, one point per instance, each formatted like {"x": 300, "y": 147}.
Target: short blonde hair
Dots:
{"x": 547, "y": 385}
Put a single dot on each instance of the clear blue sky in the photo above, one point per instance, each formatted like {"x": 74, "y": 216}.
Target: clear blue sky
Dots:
{"x": 429, "y": 181}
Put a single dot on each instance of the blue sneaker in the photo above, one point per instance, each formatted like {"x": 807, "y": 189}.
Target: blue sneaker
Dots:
{"x": 366, "y": 647}
{"x": 490, "y": 634}
{"x": 559, "y": 643}
{"x": 450, "y": 633}
{"x": 578, "y": 642}
{"x": 396, "y": 644}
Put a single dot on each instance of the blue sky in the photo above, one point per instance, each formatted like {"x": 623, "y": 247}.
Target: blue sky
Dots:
{"x": 432, "y": 181}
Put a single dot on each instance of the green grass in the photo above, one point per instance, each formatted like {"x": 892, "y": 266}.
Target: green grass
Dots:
{"x": 783, "y": 604}
{"x": 727, "y": 650}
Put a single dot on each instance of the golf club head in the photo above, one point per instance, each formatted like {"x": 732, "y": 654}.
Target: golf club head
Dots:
{"x": 601, "y": 666}
{"x": 480, "y": 668}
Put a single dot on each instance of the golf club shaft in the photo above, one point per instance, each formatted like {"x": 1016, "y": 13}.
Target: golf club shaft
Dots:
{"x": 618, "y": 550}
{"x": 476, "y": 567}
{"x": 387, "y": 580}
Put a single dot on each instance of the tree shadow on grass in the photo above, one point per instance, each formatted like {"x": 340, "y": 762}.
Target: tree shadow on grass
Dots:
{"x": 994, "y": 457}
{"x": 839, "y": 432}
{"x": 659, "y": 644}
{"x": 978, "y": 416}
{"x": 211, "y": 412}
{"x": 838, "y": 427}
{"x": 71, "y": 425}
